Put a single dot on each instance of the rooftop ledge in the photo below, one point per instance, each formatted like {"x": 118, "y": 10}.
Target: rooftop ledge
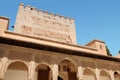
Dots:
{"x": 32, "y": 39}
{"x": 38, "y": 43}
{"x": 4, "y": 17}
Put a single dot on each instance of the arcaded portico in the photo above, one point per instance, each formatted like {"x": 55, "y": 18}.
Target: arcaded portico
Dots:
{"x": 18, "y": 62}
{"x": 37, "y": 51}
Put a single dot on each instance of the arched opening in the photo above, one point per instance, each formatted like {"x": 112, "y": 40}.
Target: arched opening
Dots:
{"x": 43, "y": 72}
{"x": 88, "y": 75}
{"x": 104, "y": 75}
{"x": 17, "y": 71}
{"x": 60, "y": 78}
{"x": 67, "y": 70}
{"x": 116, "y": 76}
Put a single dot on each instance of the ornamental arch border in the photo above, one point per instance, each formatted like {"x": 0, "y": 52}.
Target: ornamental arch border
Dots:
{"x": 20, "y": 61}
{"x": 107, "y": 71}
{"x": 43, "y": 63}
{"x": 91, "y": 69}
{"x": 69, "y": 59}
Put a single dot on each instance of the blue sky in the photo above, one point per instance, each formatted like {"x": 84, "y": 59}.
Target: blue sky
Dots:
{"x": 94, "y": 19}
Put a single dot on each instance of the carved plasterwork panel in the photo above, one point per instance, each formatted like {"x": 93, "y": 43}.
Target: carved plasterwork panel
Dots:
{"x": 43, "y": 58}
{"x": 115, "y": 66}
{"x": 15, "y": 54}
{"x": 88, "y": 64}
{"x": 59, "y": 57}
{"x": 2, "y": 52}
{"x": 103, "y": 65}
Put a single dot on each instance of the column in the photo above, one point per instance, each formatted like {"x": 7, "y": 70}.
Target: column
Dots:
{"x": 0, "y": 69}
{"x": 31, "y": 71}
{"x": 111, "y": 74}
{"x": 80, "y": 73}
{"x": 55, "y": 71}
{"x": 97, "y": 73}
{"x": 3, "y": 68}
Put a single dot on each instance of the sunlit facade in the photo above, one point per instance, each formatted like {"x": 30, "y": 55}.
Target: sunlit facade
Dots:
{"x": 43, "y": 47}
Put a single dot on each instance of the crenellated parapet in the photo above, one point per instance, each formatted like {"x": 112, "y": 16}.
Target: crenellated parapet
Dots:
{"x": 37, "y": 11}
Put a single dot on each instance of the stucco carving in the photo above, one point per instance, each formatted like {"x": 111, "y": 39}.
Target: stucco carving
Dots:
{"x": 2, "y": 52}
{"x": 103, "y": 65}
{"x": 42, "y": 56}
{"x": 88, "y": 64}
{"x": 15, "y": 54}
{"x": 115, "y": 67}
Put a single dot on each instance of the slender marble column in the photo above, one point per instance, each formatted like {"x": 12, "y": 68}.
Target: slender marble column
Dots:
{"x": 31, "y": 71}
{"x": 80, "y": 73}
{"x": 55, "y": 71}
{"x": 111, "y": 74}
{"x": 97, "y": 74}
{"x": 3, "y": 68}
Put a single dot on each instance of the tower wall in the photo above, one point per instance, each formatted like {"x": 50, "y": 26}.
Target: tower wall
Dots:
{"x": 42, "y": 24}
{"x": 99, "y": 46}
{"x": 4, "y": 23}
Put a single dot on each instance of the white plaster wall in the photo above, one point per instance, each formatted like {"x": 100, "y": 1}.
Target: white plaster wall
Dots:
{"x": 36, "y": 75}
{"x": 16, "y": 75}
{"x": 89, "y": 77}
{"x": 104, "y": 78}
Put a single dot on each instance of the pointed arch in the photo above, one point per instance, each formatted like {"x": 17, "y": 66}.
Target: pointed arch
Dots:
{"x": 60, "y": 78}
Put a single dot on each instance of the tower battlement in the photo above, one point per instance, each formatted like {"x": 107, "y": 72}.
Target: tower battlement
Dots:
{"x": 42, "y": 24}
{"x": 34, "y": 9}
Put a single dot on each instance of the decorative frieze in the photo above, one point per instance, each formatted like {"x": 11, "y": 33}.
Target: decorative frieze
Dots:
{"x": 42, "y": 56}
